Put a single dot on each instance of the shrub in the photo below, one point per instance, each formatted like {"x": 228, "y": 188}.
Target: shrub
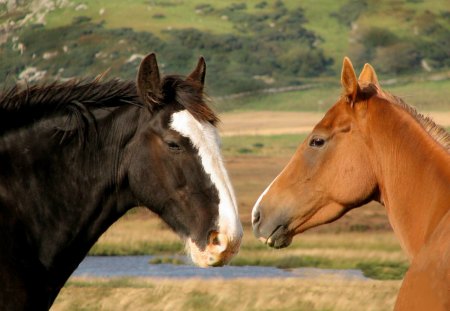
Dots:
{"x": 397, "y": 58}
{"x": 261, "y": 5}
{"x": 349, "y": 12}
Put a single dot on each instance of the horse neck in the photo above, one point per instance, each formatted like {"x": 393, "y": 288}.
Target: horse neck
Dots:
{"x": 84, "y": 190}
{"x": 413, "y": 173}
{"x": 102, "y": 166}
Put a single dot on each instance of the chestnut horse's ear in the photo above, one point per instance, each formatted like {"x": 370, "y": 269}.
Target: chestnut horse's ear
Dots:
{"x": 348, "y": 80}
{"x": 148, "y": 79}
{"x": 199, "y": 72}
{"x": 368, "y": 75}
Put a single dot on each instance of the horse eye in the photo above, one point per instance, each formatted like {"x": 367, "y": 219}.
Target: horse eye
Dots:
{"x": 317, "y": 142}
{"x": 174, "y": 146}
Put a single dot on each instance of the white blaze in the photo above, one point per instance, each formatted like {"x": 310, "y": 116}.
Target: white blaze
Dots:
{"x": 256, "y": 206}
{"x": 205, "y": 138}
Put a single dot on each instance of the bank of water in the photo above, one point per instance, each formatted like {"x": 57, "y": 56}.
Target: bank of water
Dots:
{"x": 139, "y": 266}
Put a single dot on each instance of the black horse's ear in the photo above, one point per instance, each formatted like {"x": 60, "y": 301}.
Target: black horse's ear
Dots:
{"x": 199, "y": 72}
{"x": 148, "y": 80}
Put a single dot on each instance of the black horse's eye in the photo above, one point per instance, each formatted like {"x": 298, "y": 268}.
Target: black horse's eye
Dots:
{"x": 174, "y": 146}
{"x": 317, "y": 142}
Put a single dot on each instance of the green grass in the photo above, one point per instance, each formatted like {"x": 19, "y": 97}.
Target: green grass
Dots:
{"x": 377, "y": 255}
{"x": 221, "y": 35}
{"x": 182, "y": 14}
{"x": 424, "y": 95}
{"x": 333, "y": 33}
{"x": 167, "y": 260}
{"x": 112, "y": 283}
{"x": 315, "y": 99}
{"x": 140, "y": 15}
{"x": 272, "y": 145}
{"x": 142, "y": 248}
{"x": 374, "y": 269}
{"x": 389, "y": 270}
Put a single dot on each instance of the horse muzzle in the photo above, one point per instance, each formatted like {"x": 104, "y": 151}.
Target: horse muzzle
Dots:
{"x": 220, "y": 249}
{"x": 274, "y": 233}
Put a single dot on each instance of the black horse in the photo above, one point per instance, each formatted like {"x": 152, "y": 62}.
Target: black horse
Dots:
{"x": 75, "y": 156}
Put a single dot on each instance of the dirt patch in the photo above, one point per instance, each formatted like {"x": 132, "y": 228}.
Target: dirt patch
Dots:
{"x": 281, "y": 122}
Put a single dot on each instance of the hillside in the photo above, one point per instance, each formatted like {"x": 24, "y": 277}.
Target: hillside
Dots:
{"x": 248, "y": 45}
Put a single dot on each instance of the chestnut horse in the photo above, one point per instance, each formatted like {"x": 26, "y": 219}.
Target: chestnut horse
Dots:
{"x": 76, "y": 156}
{"x": 371, "y": 146}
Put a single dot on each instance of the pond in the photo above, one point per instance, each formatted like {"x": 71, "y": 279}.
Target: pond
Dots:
{"x": 139, "y": 266}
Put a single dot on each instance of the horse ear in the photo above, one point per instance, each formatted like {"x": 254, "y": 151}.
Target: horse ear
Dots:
{"x": 148, "y": 79}
{"x": 348, "y": 79}
{"x": 368, "y": 75}
{"x": 199, "y": 72}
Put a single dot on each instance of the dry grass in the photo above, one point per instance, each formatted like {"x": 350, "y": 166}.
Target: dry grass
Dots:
{"x": 287, "y": 122}
{"x": 241, "y": 294}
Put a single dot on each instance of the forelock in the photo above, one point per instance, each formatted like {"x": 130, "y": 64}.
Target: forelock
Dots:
{"x": 189, "y": 94}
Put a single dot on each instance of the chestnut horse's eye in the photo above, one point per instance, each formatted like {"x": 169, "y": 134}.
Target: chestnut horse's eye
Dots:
{"x": 173, "y": 146}
{"x": 317, "y": 142}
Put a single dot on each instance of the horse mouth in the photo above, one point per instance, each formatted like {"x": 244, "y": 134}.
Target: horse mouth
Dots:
{"x": 218, "y": 252}
{"x": 279, "y": 238}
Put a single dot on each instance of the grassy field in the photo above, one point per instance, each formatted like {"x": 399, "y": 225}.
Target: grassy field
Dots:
{"x": 237, "y": 295}
{"x": 158, "y": 16}
{"x": 268, "y": 145}
{"x": 134, "y": 14}
{"x": 424, "y": 95}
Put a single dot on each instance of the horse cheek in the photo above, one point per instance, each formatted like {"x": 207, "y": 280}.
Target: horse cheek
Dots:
{"x": 354, "y": 180}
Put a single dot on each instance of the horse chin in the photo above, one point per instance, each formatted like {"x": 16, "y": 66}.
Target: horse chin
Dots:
{"x": 280, "y": 238}
{"x": 215, "y": 254}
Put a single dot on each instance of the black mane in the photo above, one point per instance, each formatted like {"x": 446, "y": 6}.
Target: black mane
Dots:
{"x": 21, "y": 106}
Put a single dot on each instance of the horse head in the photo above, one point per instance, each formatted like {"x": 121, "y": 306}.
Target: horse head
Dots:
{"x": 329, "y": 173}
{"x": 176, "y": 168}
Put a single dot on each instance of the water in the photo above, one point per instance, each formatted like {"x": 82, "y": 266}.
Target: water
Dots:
{"x": 138, "y": 266}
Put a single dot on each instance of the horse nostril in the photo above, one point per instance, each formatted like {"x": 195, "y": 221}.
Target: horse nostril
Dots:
{"x": 256, "y": 218}
{"x": 218, "y": 240}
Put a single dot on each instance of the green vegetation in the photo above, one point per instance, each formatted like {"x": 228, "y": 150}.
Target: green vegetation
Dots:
{"x": 272, "y": 145}
{"x": 112, "y": 283}
{"x": 248, "y": 45}
{"x": 378, "y": 270}
{"x": 384, "y": 270}
{"x": 245, "y": 58}
{"x": 424, "y": 95}
{"x": 317, "y": 98}
{"x": 377, "y": 255}
{"x": 143, "y": 248}
{"x": 167, "y": 260}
